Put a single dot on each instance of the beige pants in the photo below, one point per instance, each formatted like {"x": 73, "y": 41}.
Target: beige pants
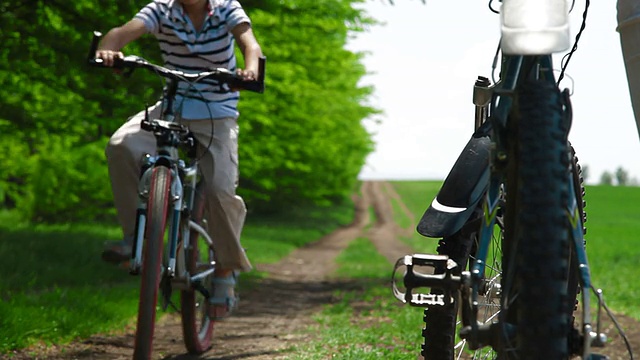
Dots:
{"x": 225, "y": 210}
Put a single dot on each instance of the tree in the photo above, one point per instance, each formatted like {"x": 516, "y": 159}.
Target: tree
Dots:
{"x": 606, "y": 178}
{"x": 585, "y": 172}
{"x": 622, "y": 176}
{"x": 303, "y": 140}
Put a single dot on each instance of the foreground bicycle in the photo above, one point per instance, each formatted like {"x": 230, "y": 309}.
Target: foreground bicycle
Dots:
{"x": 511, "y": 279}
{"x": 171, "y": 206}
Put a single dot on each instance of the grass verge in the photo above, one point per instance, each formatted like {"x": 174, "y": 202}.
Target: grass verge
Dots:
{"x": 367, "y": 323}
{"x": 417, "y": 196}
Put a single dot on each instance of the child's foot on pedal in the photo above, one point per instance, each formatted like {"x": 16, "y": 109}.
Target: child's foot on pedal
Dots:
{"x": 223, "y": 299}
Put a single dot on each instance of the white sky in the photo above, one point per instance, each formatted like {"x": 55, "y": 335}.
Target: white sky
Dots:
{"x": 424, "y": 61}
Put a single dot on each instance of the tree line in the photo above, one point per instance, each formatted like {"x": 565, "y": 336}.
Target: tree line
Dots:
{"x": 301, "y": 142}
{"x": 620, "y": 177}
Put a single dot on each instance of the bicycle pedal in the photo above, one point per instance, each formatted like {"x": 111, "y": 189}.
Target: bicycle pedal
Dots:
{"x": 442, "y": 278}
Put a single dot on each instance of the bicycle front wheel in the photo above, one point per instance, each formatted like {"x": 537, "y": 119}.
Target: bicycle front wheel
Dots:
{"x": 157, "y": 209}
{"x": 537, "y": 296}
{"x": 197, "y": 327}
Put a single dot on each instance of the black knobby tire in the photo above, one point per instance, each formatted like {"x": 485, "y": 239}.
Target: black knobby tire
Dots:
{"x": 157, "y": 208}
{"x": 197, "y": 327}
{"x": 439, "y": 332}
{"x": 537, "y": 202}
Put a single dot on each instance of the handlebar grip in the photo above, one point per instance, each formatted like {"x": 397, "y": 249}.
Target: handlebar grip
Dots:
{"x": 255, "y": 86}
{"x": 91, "y": 58}
{"x": 147, "y": 125}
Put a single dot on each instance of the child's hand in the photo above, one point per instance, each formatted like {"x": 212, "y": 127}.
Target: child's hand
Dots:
{"x": 246, "y": 75}
{"x": 108, "y": 56}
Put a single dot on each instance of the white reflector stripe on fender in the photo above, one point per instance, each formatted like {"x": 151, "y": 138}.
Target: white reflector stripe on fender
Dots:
{"x": 448, "y": 209}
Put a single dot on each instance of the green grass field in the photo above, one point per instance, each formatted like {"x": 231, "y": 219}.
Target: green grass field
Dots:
{"x": 613, "y": 244}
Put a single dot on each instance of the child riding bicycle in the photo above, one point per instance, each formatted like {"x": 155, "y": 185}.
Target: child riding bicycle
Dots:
{"x": 194, "y": 36}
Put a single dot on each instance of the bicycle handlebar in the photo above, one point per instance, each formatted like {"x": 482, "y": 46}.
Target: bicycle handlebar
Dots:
{"x": 220, "y": 74}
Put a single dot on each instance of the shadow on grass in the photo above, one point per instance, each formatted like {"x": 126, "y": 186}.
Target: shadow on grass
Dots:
{"x": 43, "y": 257}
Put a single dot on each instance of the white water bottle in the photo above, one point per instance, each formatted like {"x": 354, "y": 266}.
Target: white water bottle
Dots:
{"x": 534, "y": 27}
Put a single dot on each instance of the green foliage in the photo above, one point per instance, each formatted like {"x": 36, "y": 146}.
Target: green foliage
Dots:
{"x": 70, "y": 185}
{"x": 14, "y": 171}
{"x": 302, "y": 141}
{"x": 57, "y": 112}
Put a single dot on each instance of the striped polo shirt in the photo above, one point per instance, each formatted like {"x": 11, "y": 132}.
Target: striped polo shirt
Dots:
{"x": 194, "y": 50}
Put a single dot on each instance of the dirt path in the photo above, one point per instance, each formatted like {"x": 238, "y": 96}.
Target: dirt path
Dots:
{"x": 272, "y": 317}
{"x": 385, "y": 232}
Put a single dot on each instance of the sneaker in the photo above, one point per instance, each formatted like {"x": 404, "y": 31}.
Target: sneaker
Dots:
{"x": 224, "y": 298}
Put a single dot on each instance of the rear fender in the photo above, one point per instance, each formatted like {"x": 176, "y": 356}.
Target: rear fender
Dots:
{"x": 461, "y": 191}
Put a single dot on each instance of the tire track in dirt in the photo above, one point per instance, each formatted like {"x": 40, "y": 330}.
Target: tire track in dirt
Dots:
{"x": 394, "y": 196}
{"x": 385, "y": 233}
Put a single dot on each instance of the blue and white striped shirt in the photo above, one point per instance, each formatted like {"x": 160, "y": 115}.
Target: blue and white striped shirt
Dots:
{"x": 194, "y": 50}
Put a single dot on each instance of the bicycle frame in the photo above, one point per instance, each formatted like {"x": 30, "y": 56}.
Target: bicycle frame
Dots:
{"x": 184, "y": 182}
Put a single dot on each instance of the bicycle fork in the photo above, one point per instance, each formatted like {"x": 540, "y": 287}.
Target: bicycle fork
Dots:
{"x": 174, "y": 268}
{"x": 148, "y": 164}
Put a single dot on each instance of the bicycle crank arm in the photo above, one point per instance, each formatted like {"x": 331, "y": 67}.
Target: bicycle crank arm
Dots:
{"x": 446, "y": 282}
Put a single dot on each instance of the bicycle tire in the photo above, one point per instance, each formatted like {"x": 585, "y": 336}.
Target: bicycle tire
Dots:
{"x": 197, "y": 327}
{"x": 157, "y": 209}
{"x": 442, "y": 323}
{"x": 538, "y": 226}
{"x": 439, "y": 330}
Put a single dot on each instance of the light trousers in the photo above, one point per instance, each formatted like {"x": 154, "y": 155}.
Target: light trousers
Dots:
{"x": 224, "y": 210}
